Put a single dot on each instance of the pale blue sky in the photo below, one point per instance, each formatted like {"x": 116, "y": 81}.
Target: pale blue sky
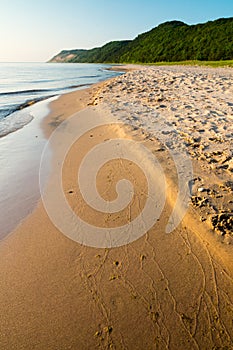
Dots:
{"x": 35, "y": 30}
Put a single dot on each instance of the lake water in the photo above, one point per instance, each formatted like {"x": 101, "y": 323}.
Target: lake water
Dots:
{"x": 22, "y": 84}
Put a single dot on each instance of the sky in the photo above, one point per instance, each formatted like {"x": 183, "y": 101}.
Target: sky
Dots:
{"x": 36, "y": 30}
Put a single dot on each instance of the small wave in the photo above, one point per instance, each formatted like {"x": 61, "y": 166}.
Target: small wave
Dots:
{"x": 14, "y": 122}
{"x": 7, "y": 112}
{"x": 74, "y": 86}
{"x": 24, "y": 92}
{"x": 41, "y": 91}
{"x": 14, "y": 108}
{"x": 89, "y": 76}
{"x": 4, "y": 112}
{"x": 31, "y": 102}
{"x": 43, "y": 81}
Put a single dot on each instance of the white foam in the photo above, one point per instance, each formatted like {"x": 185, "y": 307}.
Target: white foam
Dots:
{"x": 15, "y": 121}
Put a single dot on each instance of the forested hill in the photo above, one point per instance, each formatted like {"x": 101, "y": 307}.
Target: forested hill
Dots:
{"x": 170, "y": 41}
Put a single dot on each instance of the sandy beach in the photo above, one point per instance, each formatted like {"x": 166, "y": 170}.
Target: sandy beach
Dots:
{"x": 163, "y": 290}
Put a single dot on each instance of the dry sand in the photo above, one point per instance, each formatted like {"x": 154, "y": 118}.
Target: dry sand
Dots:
{"x": 163, "y": 291}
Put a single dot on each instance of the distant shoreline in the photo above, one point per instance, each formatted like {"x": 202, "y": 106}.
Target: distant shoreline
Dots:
{"x": 172, "y": 41}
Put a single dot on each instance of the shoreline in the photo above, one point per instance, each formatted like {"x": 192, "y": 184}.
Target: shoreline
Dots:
{"x": 60, "y": 294}
{"x": 21, "y": 152}
{"x": 32, "y": 102}
{"x": 22, "y": 107}
{"x": 37, "y": 112}
{"x": 35, "y": 87}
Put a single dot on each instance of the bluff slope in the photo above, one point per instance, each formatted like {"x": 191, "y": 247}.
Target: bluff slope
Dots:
{"x": 170, "y": 41}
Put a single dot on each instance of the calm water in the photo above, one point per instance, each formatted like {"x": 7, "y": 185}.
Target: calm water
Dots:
{"x": 22, "y": 83}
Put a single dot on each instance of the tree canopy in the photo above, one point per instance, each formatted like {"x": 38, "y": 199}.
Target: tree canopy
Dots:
{"x": 170, "y": 41}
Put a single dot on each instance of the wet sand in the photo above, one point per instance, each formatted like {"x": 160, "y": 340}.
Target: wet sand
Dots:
{"x": 20, "y": 160}
{"x": 162, "y": 291}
